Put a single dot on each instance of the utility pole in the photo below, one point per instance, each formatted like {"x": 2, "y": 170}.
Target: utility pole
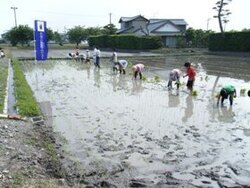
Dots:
{"x": 110, "y": 14}
{"x": 14, "y": 9}
{"x": 208, "y": 23}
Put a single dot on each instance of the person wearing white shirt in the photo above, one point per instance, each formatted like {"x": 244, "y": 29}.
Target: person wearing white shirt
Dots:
{"x": 122, "y": 65}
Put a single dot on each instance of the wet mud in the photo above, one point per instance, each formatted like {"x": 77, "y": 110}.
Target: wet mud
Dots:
{"x": 133, "y": 133}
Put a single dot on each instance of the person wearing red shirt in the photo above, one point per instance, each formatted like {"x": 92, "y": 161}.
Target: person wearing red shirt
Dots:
{"x": 191, "y": 75}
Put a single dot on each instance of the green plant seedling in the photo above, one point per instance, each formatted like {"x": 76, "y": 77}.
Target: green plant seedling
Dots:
{"x": 157, "y": 79}
{"x": 144, "y": 78}
{"x": 243, "y": 91}
{"x": 194, "y": 93}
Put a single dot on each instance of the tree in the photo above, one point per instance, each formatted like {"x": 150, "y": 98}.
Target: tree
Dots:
{"x": 79, "y": 33}
{"x": 190, "y": 36}
{"x": 245, "y": 30}
{"x": 92, "y": 31}
{"x": 50, "y": 34}
{"x": 22, "y": 34}
{"x": 76, "y": 34}
{"x": 222, "y": 13}
{"x": 58, "y": 38}
{"x": 197, "y": 38}
{"x": 109, "y": 29}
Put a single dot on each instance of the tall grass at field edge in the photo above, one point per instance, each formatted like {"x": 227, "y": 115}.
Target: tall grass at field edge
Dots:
{"x": 3, "y": 84}
{"x": 26, "y": 102}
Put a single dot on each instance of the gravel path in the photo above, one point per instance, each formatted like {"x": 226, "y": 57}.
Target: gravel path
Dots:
{"x": 23, "y": 160}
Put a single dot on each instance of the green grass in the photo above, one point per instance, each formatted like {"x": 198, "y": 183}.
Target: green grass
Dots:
{"x": 3, "y": 84}
{"x": 26, "y": 103}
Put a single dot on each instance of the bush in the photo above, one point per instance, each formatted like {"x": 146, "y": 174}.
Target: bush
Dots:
{"x": 234, "y": 41}
{"x": 132, "y": 42}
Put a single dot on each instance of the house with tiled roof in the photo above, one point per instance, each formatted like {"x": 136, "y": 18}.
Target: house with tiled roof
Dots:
{"x": 167, "y": 29}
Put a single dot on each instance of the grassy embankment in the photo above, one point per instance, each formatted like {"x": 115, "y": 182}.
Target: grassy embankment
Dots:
{"x": 26, "y": 103}
{"x": 3, "y": 78}
{"x": 3, "y": 83}
{"x": 28, "y": 106}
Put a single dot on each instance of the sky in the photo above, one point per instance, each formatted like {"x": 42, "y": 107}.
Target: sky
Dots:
{"x": 62, "y": 15}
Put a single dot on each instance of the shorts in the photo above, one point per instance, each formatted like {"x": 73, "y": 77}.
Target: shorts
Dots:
{"x": 190, "y": 83}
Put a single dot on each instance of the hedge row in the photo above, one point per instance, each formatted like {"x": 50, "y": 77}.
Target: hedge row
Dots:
{"x": 132, "y": 42}
{"x": 234, "y": 41}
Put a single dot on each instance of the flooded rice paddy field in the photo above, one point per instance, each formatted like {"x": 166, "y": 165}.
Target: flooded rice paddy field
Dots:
{"x": 137, "y": 133}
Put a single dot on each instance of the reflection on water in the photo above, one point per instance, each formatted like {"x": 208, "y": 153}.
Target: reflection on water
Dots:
{"x": 189, "y": 108}
{"x": 88, "y": 71}
{"x": 115, "y": 121}
{"x": 137, "y": 86}
{"x": 173, "y": 99}
{"x": 97, "y": 78}
{"x": 226, "y": 114}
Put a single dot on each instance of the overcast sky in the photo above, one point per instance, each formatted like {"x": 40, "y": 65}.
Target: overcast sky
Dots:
{"x": 65, "y": 14}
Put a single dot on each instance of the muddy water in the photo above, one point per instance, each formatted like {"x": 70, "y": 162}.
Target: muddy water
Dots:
{"x": 135, "y": 133}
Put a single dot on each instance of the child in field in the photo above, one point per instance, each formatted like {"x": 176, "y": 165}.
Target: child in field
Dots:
{"x": 94, "y": 55}
{"x": 87, "y": 57}
{"x": 137, "y": 69}
{"x": 114, "y": 60}
{"x": 174, "y": 75}
{"x": 122, "y": 65}
{"x": 226, "y": 91}
{"x": 191, "y": 75}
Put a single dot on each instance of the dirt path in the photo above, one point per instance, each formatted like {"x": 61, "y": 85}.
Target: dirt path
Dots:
{"x": 25, "y": 160}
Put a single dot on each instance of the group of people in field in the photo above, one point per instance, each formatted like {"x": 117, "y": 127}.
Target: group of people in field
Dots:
{"x": 226, "y": 92}
{"x": 117, "y": 65}
{"x": 121, "y": 65}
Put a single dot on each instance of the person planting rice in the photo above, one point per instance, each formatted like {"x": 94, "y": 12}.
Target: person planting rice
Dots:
{"x": 122, "y": 65}
{"x": 137, "y": 69}
{"x": 174, "y": 76}
{"x": 191, "y": 75}
{"x": 225, "y": 92}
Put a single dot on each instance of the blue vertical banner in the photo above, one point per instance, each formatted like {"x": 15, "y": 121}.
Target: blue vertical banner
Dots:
{"x": 41, "y": 45}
